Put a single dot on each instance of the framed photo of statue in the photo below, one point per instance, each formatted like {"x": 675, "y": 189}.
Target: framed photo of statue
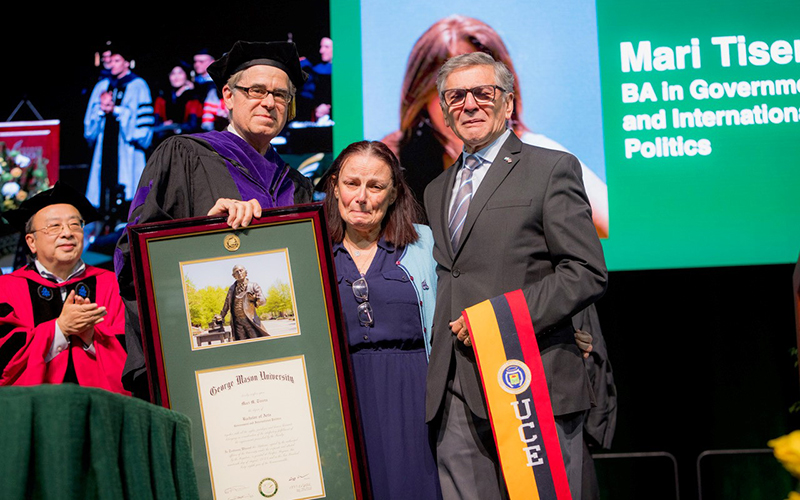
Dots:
{"x": 239, "y": 298}
{"x": 242, "y": 333}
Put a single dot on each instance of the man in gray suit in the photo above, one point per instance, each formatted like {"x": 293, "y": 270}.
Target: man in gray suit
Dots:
{"x": 506, "y": 216}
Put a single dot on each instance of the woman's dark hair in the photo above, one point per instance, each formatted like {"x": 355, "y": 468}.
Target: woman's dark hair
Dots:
{"x": 397, "y": 226}
{"x": 432, "y": 49}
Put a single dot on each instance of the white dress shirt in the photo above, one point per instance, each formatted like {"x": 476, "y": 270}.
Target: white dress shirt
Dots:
{"x": 487, "y": 156}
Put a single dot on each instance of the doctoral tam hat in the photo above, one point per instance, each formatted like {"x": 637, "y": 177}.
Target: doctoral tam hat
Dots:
{"x": 60, "y": 193}
{"x": 282, "y": 55}
{"x": 122, "y": 49}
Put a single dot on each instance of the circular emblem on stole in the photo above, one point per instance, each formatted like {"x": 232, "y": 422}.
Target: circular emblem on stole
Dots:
{"x": 82, "y": 290}
{"x": 45, "y": 292}
{"x": 268, "y": 487}
{"x": 232, "y": 243}
{"x": 514, "y": 376}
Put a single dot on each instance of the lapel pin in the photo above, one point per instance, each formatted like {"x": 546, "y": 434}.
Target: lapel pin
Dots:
{"x": 507, "y": 159}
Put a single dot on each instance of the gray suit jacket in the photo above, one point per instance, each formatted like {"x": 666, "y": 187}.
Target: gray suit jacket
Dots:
{"x": 529, "y": 227}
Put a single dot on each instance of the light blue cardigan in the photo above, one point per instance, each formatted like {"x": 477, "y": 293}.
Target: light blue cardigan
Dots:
{"x": 418, "y": 264}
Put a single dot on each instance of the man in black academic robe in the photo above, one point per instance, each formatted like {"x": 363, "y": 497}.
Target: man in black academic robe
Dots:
{"x": 235, "y": 172}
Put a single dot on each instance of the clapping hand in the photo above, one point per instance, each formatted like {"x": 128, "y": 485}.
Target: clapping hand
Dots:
{"x": 79, "y": 316}
{"x": 106, "y": 102}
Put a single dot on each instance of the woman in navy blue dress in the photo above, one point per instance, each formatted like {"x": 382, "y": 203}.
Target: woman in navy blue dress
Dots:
{"x": 387, "y": 286}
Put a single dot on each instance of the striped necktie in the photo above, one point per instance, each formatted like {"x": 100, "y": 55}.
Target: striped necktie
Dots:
{"x": 458, "y": 213}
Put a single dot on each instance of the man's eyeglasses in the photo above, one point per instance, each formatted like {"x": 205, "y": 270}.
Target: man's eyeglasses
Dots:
{"x": 483, "y": 94}
{"x": 281, "y": 96}
{"x": 56, "y": 228}
{"x": 361, "y": 293}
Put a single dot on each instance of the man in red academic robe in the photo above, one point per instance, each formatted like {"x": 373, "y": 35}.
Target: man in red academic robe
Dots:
{"x": 60, "y": 319}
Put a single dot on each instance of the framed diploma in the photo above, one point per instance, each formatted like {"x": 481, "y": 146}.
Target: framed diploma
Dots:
{"x": 242, "y": 332}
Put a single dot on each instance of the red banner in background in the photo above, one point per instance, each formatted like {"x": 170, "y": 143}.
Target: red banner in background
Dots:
{"x": 37, "y": 139}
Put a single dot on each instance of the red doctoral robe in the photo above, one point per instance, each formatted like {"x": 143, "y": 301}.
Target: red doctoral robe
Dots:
{"x": 29, "y": 307}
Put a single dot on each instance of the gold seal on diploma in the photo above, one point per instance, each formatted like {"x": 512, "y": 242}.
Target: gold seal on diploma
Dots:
{"x": 268, "y": 487}
{"x": 231, "y": 243}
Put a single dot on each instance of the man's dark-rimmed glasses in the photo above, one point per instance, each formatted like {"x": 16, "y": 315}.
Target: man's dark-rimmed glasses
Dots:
{"x": 483, "y": 94}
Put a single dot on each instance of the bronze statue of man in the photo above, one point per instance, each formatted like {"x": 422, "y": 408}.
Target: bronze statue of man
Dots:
{"x": 244, "y": 296}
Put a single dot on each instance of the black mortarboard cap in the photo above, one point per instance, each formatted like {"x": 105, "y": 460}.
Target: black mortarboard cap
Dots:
{"x": 202, "y": 51}
{"x": 60, "y": 193}
{"x": 104, "y": 46}
{"x": 185, "y": 66}
{"x": 119, "y": 48}
{"x": 282, "y": 55}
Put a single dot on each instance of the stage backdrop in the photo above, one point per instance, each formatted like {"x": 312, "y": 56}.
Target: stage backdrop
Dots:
{"x": 687, "y": 110}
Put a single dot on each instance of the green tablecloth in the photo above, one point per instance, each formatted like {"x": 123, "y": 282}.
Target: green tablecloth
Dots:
{"x": 71, "y": 442}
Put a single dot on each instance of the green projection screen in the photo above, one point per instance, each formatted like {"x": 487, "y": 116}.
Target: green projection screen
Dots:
{"x": 693, "y": 107}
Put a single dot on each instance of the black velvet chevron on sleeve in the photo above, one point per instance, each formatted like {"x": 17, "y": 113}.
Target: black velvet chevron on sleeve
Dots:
{"x": 14, "y": 343}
